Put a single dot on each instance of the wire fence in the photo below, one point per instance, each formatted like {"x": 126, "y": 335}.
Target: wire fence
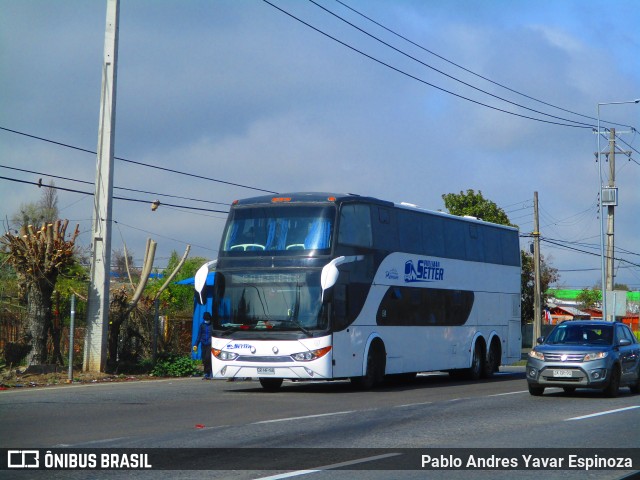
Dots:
{"x": 174, "y": 334}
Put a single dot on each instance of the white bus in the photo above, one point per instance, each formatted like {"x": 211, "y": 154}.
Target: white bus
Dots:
{"x": 313, "y": 286}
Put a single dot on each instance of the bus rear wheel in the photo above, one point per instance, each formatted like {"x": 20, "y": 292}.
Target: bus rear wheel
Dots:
{"x": 477, "y": 364}
{"x": 271, "y": 384}
{"x": 492, "y": 362}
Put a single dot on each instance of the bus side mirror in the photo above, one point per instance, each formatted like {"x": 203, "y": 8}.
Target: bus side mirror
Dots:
{"x": 329, "y": 274}
{"x": 200, "y": 279}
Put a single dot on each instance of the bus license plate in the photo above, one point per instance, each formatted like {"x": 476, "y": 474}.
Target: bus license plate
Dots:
{"x": 266, "y": 371}
{"x": 562, "y": 373}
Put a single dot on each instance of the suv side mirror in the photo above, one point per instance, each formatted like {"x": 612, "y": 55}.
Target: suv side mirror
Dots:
{"x": 540, "y": 340}
{"x": 624, "y": 342}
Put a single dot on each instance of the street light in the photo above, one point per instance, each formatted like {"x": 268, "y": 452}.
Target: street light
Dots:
{"x": 602, "y": 256}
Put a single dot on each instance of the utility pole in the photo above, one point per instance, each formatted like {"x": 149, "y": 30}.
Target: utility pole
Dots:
{"x": 609, "y": 198}
{"x": 610, "y": 217}
{"x": 537, "y": 294}
{"x": 95, "y": 350}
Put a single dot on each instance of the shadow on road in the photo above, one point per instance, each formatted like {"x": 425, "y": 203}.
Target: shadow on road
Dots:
{"x": 427, "y": 380}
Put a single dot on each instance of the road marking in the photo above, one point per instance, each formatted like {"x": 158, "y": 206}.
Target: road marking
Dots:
{"x": 602, "y": 413}
{"x": 90, "y": 442}
{"x": 508, "y": 393}
{"x": 328, "y": 467}
{"x": 303, "y": 418}
{"x": 412, "y": 404}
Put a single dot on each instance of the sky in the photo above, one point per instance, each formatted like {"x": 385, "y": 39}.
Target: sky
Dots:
{"x": 406, "y": 102}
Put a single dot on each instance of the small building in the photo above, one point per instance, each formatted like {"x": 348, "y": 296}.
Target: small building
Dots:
{"x": 560, "y": 313}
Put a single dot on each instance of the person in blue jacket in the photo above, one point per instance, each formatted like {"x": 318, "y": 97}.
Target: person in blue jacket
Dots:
{"x": 204, "y": 340}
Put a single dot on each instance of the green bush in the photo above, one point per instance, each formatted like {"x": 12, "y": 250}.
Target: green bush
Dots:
{"x": 174, "y": 366}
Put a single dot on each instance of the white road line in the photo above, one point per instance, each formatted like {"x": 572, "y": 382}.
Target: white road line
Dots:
{"x": 602, "y": 413}
{"x": 303, "y": 418}
{"x": 508, "y": 393}
{"x": 328, "y": 467}
{"x": 412, "y": 404}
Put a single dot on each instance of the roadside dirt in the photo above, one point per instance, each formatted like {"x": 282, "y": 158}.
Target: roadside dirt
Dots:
{"x": 15, "y": 379}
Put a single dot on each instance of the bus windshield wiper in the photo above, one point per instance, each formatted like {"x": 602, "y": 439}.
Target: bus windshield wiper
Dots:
{"x": 230, "y": 329}
{"x": 294, "y": 316}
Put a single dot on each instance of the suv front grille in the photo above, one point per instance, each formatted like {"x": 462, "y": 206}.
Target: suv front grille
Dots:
{"x": 571, "y": 357}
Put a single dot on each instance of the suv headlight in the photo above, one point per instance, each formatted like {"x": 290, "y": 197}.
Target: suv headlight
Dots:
{"x": 310, "y": 354}
{"x": 594, "y": 356}
{"x": 222, "y": 355}
{"x": 537, "y": 355}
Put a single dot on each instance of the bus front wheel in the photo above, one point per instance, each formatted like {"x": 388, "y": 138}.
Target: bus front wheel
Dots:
{"x": 376, "y": 365}
{"x": 271, "y": 384}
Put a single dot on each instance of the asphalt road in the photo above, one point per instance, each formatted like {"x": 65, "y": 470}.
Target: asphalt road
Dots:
{"x": 432, "y": 412}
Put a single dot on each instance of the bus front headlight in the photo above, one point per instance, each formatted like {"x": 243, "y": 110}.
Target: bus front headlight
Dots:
{"x": 222, "y": 355}
{"x": 310, "y": 355}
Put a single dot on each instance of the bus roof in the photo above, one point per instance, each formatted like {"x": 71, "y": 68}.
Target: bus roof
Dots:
{"x": 327, "y": 197}
{"x": 309, "y": 197}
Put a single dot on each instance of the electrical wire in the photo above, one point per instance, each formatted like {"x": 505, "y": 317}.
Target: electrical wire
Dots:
{"x": 118, "y": 188}
{"x": 170, "y": 170}
{"x": 419, "y": 79}
{"x": 444, "y": 73}
{"x": 163, "y": 236}
{"x": 470, "y": 71}
{"x": 114, "y": 197}
{"x": 542, "y": 239}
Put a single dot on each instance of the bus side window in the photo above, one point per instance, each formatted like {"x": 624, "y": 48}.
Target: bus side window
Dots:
{"x": 454, "y": 236}
{"x": 355, "y": 225}
{"x": 432, "y": 236}
{"x": 410, "y": 237}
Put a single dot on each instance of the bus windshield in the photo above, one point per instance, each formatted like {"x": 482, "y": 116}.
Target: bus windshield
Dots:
{"x": 279, "y": 230}
{"x": 274, "y": 300}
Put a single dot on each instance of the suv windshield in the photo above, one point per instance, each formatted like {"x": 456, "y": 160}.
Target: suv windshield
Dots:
{"x": 279, "y": 230}
{"x": 262, "y": 301}
{"x": 581, "y": 335}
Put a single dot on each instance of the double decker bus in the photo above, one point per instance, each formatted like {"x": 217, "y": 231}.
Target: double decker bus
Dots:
{"x": 319, "y": 286}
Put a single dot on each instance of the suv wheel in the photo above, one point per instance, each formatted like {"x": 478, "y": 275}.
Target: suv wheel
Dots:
{"x": 635, "y": 387}
{"x": 535, "y": 390}
{"x": 613, "y": 387}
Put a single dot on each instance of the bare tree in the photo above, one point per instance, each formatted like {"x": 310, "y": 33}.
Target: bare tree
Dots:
{"x": 38, "y": 257}
{"x": 123, "y": 302}
{"x": 44, "y": 210}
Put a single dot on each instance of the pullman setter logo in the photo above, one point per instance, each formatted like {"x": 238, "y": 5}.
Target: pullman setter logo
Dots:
{"x": 423, "y": 271}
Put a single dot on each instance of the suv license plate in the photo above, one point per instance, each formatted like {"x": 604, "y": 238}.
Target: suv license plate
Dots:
{"x": 266, "y": 371}
{"x": 562, "y": 373}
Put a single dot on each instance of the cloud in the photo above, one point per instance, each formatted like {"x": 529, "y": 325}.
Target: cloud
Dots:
{"x": 240, "y": 92}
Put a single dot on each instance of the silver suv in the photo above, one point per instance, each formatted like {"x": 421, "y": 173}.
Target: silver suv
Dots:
{"x": 585, "y": 354}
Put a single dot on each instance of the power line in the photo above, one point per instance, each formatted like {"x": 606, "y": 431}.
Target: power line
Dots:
{"x": 586, "y": 252}
{"x": 163, "y": 236}
{"x": 470, "y": 71}
{"x": 419, "y": 79}
{"x": 194, "y": 175}
{"x": 114, "y": 197}
{"x": 119, "y": 188}
{"x": 444, "y": 73}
